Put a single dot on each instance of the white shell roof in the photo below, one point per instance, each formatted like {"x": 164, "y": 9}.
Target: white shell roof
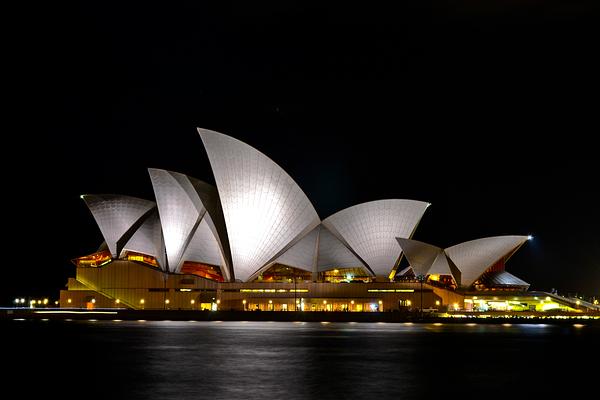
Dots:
{"x": 180, "y": 212}
{"x": 203, "y": 247}
{"x": 116, "y": 215}
{"x": 421, "y": 256}
{"x": 148, "y": 240}
{"x": 264, "y": 209}
{"x": 473, "y": 258}
{"x": 334, "y": 254}
{"x": 370, "y": 229}
{"x": 302, "y": 254}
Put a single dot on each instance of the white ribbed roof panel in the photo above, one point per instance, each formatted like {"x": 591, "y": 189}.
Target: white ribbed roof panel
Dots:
{"x": 440, "y": 266}
{"x": 302, "y": 254}
{"x": 421, "y": 256}
{"x": 474, "y": 257}
{"x": 334, "y": 254}
{"x": 203, "y": 247}
{"x": 264, "y": 208}
{"x": 179, "y": 212}
{"x": 371, "y": 229}
{"x": 116, "y": 215}
{"x": 148, "y": 240}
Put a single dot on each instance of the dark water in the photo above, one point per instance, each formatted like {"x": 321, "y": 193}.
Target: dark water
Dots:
{"x": 262, "y": 360}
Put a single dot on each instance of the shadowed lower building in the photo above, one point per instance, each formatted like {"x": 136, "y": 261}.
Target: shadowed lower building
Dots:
{"x": 255, "y": 242}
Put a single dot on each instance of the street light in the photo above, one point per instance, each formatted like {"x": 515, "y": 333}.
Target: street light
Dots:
{"x": 421, "y": 279}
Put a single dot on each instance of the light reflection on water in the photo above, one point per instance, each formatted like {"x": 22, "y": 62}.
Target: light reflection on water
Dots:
{"x": 299, "y": 360}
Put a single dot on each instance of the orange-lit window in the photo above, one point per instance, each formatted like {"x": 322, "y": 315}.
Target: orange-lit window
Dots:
{"x": 203, "y": 270}
{"x": 146, "y": 259}
{"x": 93, "y": 260}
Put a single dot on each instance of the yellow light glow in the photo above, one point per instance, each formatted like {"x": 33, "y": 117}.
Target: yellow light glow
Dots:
{"x": 56, "y": 302}
{"x": 506, "y": 324}
{"x": 548, "y": 298}
{"x": 142, "y": 301}
{"x": 455, "y": 306}
{"x": 408, "y": 302}
{"x": 69, "y": 301}
{"x": 335, "y": 271}
{"x": 218, "y": 301}
{"x": 270, "y": 301}
{"x": 192, "y": 301}
{"x": 351, "y": 301}
{"x": 434, "y": 277}
{"x": 578, "y": 302}
{"x": 578, "y": 325}
{"x": 380, "y": 302}
{"x": 324, "y": 301}
{"x": 244, "y": 301}
{"x": 93, "y": 301}
{"x": 405, "y": 290}
{"x": 39, "y": 302}
{"x": 117, "y": 301}
{"x": 474, "y": 297}
{"x": 167, "y": 301}
{"x": 438, "y": 324}
{"x": 595, "y": 302}
{"x": 437, "y": 302}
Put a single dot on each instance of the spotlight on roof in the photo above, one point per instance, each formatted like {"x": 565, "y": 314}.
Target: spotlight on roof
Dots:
{"x": 529, "y": 237}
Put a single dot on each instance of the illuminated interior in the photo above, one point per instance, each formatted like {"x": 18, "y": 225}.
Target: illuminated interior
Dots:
{"x": 143, "y": 258}
{"x": 345, "y": 275}
{"x": 207, "y": 271}
{"x": 93, "y": 260}
{"x": 283, "y": 273}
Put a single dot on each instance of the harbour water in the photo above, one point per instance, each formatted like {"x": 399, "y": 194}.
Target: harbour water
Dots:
{"x": 298, "y": 360}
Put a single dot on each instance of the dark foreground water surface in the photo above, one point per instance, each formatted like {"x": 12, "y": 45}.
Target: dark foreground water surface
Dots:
{"x": 283, "y": 360}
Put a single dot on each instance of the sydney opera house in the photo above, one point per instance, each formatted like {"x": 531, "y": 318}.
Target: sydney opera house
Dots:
{"x": 255, "y": 242}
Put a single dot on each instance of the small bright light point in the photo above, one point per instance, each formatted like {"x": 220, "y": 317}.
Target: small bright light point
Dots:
{"x": 69, "y": 301}
{"x": 167, "y": 301}
{"x": 93, "y": 301}
{"x": 192, "y": 301}
{"x": 529, "y": 237}
{"x": 548, "y": 298}
{"x": 218, "y": 301}
{"x": 142, "y": 301}
{"x": 243, "y": 301}
{"x": 578, "y": 302}
{"x": 506, "y": 324}
{"x": 324, "y": 301}
{"x": 117, "y": 301}
{"x": 380, "y": 302}
{"x": 23, "y": 300}
{"x": 270, "y": 301}
{"x": 45, "y": 301}
{"x": 81, "y": 197}
{"x": 352, "y": 302}
{"x": 408, "y": 302}
{"x": 578, "y": 325}
{"x": 437, "y": 302}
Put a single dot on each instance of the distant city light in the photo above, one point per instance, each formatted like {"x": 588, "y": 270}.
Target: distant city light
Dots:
{"x": 529, "y": 237}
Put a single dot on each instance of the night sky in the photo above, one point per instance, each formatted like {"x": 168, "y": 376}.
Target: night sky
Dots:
{"x": 486, "y": 109}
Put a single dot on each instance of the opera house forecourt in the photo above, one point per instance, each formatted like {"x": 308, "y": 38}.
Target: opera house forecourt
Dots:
{"x": 255, "y": 242}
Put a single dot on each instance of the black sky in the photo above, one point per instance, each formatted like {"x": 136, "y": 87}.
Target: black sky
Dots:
{"x": 486, "y": 109}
